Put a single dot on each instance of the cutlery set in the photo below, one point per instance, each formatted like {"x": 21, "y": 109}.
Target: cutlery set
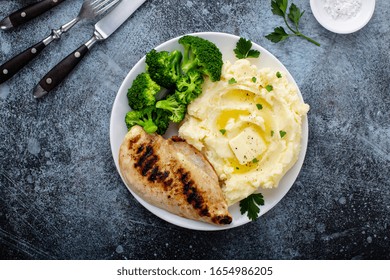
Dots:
{"x": 117, "y": 13}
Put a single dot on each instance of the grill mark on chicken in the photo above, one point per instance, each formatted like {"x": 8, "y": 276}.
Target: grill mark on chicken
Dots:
{"x": 157, "y": 175}
{"x": 168, "y": 183}
{"x": 196, "y": 200}
{"x": 148, "y": 161}
{"x": 142, "y": 158}
{"x": 140, "y": 149}
{"x": 222, "y": 220}
{"x": 192, "y": 194}
{"x": 148, "y": 164}
{"x": 133, "y": 141}
{"x": 153, "y": 176}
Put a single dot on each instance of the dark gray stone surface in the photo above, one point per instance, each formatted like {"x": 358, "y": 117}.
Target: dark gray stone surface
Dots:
{"x": 62, "y": 198}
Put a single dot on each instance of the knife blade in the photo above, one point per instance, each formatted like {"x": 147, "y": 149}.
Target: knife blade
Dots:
{"x": 103, "y": 29}
{"x": 27, "y": 13}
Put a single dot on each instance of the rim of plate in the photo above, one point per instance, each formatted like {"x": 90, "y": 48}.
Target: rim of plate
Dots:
{"x": 343, "y": 26}
{"x": 286, "y": 182}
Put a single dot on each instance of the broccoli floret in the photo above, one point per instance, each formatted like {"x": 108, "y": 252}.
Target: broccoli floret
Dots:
{"x": 177, "y": 110}
{"x": 161, "y": 119}
{"x": 201, "y": 55}
{"x": 150, "y": 118}
{"x": 189, "y": 87}
{"x": 164, "y": 67}
{"x": 143, "y": 92}
{"x": 142, "y": 118}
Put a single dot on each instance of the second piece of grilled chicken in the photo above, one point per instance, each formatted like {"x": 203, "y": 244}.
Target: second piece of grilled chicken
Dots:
{"x": 172, "y": 175}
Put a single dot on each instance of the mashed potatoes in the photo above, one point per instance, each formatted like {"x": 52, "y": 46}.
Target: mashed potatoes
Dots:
{"x": 248, "y": 125}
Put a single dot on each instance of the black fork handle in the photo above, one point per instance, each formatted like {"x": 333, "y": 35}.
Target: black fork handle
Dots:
{"x": 27, "y": 13}
{"x": 59, "y": 72}
{"x": 15, "y": 64}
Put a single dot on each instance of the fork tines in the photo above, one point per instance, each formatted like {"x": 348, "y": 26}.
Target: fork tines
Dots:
{"x": 101, "y": 6}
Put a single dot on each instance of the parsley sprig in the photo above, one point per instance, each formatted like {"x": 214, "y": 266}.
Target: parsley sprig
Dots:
{"x": 250, "y": 205}
{"x": 243, "y": 49}
{"x": 279, "y": 8}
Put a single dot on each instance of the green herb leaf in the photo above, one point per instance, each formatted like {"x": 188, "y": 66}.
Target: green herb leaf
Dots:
{"x": 279, "y": 8}
{"x": 272, "y": 133}
{"x": 254, "y": 79}
{"x": 269, "y": 88}
{"x": 243, "y": 49}
{"x": 259, "y": 106}
{"x": 223, "y": 131}
{"x": 232, "y": 81}
{"x": 253, "y": 53}
{"x": 282, "y": 133}
{"x": 250, "y": 205}
{"x": 295, "y": 15}
{"x": 255, "y": 160}
{"x": 278, "y": 75}
{"x": 278, "y": 35}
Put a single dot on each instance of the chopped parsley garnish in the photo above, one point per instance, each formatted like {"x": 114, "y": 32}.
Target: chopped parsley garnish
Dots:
{"x": 223, "y": 131}
{"x": 243, "y": 49}
{"x": 254, "y": 79}
{"x": 259, "y": 106}
{"x": 278, "y": 74}
{"x": 272, "y": 133}
{"x": 282, "y": 133}
{"x": 255, "y": 160}
{"x": 232, "y": 81}
{"x": 237, "y": 168}
{"x": 250, "y": 205}
{"x": 269, "y": 88}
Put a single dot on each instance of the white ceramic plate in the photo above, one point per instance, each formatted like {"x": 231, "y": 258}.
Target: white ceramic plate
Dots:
{"x": 342, "y": 26}
{"x": 226, "y": 43}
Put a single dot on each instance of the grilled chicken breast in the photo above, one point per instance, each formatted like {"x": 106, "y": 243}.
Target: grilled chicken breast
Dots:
{"x": 173, "y": 175}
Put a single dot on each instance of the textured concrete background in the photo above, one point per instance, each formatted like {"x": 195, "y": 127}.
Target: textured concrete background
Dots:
{"x": 62, "y": 198}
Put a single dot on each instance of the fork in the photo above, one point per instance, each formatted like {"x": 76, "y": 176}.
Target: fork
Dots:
{"x": 89, "y": 10}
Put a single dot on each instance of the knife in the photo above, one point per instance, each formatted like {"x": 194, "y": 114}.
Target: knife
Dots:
{"x": 27, "y": 13}
{"x": 103, "y": 29}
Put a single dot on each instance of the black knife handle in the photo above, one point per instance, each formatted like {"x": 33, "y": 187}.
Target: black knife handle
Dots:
{"x": 32, "y": 11}
{"x": 12, "y": 66}
{"x": 56, "y": 75}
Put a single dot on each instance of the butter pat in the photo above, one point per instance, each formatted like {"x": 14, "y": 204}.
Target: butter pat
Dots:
{"x": 247, "y": 145}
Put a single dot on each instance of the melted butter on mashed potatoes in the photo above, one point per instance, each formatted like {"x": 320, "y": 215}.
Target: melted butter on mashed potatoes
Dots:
{"x": 249, "y": 128}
